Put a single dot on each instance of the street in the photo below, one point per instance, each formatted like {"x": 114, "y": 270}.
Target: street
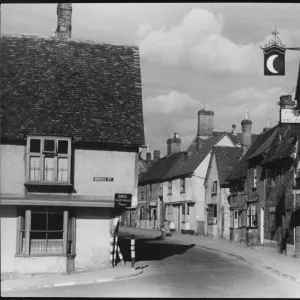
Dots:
{"x": 173, "y": 270}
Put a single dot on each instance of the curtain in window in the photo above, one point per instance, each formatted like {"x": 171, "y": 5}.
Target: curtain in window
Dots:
{"x": 62, "y": 169}
{"x": 49, "y": 169}
{"x": 34, "y": 173}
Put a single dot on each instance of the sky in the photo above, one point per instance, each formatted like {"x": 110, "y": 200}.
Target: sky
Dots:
{"x": 190, "y": 53}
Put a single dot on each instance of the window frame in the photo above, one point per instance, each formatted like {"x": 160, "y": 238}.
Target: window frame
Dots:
{"x": 150, "y": 190}
{"x": 42, "y": 154}
{"x": 24, "y": 221}
{"x": 182, "y": 185}
{"x": 235, "y": 218}
{"x": 169, "y": 187}
{"x": 254, "y": 186}
{"x": 214, "y": 187}
{"x": 252, "y": 216}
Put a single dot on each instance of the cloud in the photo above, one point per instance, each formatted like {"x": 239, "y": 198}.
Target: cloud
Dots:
{"x": 198, "y": 41}
{"x": 174, "y": 102}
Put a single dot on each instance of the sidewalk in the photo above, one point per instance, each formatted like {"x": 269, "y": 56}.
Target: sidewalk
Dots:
{"x": 84, "y": 277}
{"x": 279, "y": 264}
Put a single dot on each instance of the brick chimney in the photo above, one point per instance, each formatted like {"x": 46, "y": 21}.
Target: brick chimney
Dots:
{"x": 156, "y": 155}
{"x": 205, "y": 124}
{"x": 233, "y": 130}
{"x": 64, "y": 20}
{"x": 173, "y": 144}
{"x": 148, "y": 155}
{"x": 246, "y": 129}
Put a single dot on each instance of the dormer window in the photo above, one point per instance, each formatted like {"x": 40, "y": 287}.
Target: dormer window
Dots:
{"x": 48, "y": 160}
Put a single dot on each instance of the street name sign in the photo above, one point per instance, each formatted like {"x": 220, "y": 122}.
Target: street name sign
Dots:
{"x": 288, "y": 115}
{"x": 109, "y": 179}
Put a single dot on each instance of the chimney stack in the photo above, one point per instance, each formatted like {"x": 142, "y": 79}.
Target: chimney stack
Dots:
{"x": 156, "y": 155}
{"x": 205, "y": 124}
{"x": 246, "y": 129}
{"x": 268, "y": 125}
{"x": 233, "y": 131}
{"x": 148, "y": 158}
{"x": 64, "y": 20}
{"x": 173, "y": 144}
{"x": 148, "y": 155}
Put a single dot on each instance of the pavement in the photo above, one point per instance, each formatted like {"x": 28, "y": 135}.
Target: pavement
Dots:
{"x": 60, "y": 280}
{"x": 286, "y": 266}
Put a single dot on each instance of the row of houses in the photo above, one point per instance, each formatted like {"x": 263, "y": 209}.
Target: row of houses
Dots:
{"x": 239, "y": 186}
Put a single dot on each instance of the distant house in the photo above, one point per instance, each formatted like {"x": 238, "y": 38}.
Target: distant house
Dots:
{"x": 71, "y": 128}
{"x": 217, "y": 213}
{"x": 243, "y": 218}
{"x": 262, "y": 184}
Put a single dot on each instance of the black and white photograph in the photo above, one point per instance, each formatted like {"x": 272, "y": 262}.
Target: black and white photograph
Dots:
{"x": 150, "y": 150}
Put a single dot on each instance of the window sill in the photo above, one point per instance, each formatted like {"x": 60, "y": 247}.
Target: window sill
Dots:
{"x": 182, "y": 192}
{"x": 47, "y": 183}
{"x": 169, "y": 194}
{"x": 43, "y": 255}
{"x": 251, "y": 227}
{"x": 213, "y": 194}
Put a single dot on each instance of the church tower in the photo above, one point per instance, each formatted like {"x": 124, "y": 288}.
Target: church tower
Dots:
{"x": 64, "y": 20}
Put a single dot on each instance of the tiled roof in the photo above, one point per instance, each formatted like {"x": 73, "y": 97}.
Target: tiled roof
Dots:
{"x": 226, "y": 159}
{"x": 196, "y": 158}
{"x": 236, "y": 139}
{"x": 240, "y": 169}
{"x": 266, "y": 143}
{"x": 161, "y": 168}
{"x": 86, "y": 90}
{"x": 281, "y": 147}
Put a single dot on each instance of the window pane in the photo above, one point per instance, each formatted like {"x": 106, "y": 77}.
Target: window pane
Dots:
{"x": 49, "y": 169}
{"x": 38, "y": 221}
{"x": 35, "y": 145}
{"x": 49, "y": 145}
{"x": 63, "y": 147}
{"x": 34, "y": 168}
{"x": 38, "y": 235}
{"x": 55, "y": 221}
{"x": 62, "y": 170}
{"x": 55, "y": 235}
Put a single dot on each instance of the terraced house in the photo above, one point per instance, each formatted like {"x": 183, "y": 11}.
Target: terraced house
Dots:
{"x": 71, "y": 128}
{"x": 263, "y": 199}
{"x": 217, "y": 213}
{"x": 175, "y": 183}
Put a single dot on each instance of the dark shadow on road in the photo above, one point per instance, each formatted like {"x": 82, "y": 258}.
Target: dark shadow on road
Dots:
{"x": 147, "y": 249}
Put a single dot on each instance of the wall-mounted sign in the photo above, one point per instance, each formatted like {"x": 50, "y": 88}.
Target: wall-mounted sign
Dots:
{"x": 123, "y": 200}
{"x": 288, "y": 115}
{"x": 103, "y": 179}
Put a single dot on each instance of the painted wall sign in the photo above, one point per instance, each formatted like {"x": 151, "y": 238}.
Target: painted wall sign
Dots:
{"x": 123, "y": 200}
{"x": 103, "y": 179}
{"x": 289, "y": 115}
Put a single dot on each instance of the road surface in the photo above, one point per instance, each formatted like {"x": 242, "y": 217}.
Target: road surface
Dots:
{"x": 173, "y": 270}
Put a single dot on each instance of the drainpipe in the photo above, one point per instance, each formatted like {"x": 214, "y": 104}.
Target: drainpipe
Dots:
{"x": 294, "y": 211}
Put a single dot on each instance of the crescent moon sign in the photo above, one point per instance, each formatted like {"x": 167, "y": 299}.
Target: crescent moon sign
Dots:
{"x": 270, "y": 65}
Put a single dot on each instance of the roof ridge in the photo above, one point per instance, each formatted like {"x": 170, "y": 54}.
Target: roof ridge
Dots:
{"x": 77, "y": 40}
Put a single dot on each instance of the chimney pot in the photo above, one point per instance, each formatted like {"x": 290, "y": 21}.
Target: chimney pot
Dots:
{"x": 156, "y": 155}
{"x": 233, "y": 131}
{"x": 246, "y": 113}
{"x": 173, "y": 144}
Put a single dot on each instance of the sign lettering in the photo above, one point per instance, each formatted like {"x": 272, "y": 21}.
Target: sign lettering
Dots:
{"x": 109, "y": 179}
{"x": 123, "y": 200}
{"x": 290, "y": 116}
